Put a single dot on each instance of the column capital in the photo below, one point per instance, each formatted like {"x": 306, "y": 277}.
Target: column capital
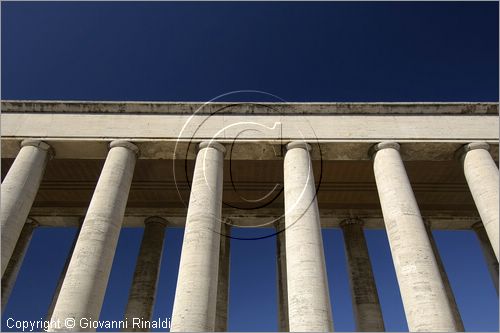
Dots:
{"x": 32, "y": 222}
{"x": 298, "y": 144}
{"x": 124, "y": 144}
{"x": 40, "y": 145}
{"x": 212, "y": 144}
{"x": 228, "y": 221}
{"x": 462, "y": 151}
{"x": 351, "y": 220}
{"x": 383, "y": 145}
{"x": 156, "y": 219}
{"x": 226, "y": 226}
{"x": 477, "y": 225}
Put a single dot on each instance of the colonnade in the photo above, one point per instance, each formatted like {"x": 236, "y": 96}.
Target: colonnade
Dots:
{"x": 201, "y": 297}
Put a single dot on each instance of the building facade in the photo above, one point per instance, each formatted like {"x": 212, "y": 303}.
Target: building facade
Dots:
{"x": 407, "y": 168}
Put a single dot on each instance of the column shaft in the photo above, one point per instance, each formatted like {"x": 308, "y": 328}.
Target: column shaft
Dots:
{"x": 308, "y": 296}
{"x": 482, "y": 177}
{"x": 365, "y": 301}
{"x": 84, "y": 286}
{"x": 489, "y": 255}
{"x": 19, "y": 189}
{"x": 60, "y": 281}
{"x": 16, "y": 260}
{"x": 449, "y": 292}
{"x": 142, "y": 293}
{"x": 281, "y": 277}
{"x": 196, "y": 292}
{"x": 423, "y": 293}
{"x": 224, "y": 278}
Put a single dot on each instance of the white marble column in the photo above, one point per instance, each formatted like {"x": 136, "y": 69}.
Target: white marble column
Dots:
{"x": 224, "y": 278}
{"x": 451, "y": 297}
{"x": 19, "y": 189}
{"x": 423, "y": 292}
{"x": 16, "y": 260}
{"x": 365, "y": 301}
{"x": 196, "y": 293}
{"x": 281, "y": 277}
{"x": 308, "y": 296}
{"x": 142, "y": 294}
{"x": 489, "y": 255}
{"x": 482, "y": 177}
{"x": 84, "y": 286}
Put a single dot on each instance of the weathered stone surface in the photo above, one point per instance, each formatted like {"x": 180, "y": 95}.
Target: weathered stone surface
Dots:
{"x": 423, "y": 293}
{"x": 221, "y": 312}
{"x": 365, "y": 301}
{"x": 19, "y": 189}
{"x": 482, "y": 176}
{"x": 16, "y": 260}
{"x": 281, "y": 277}
{"x": 309, "y": 306}
{"x": 267, "y": 108}
{"x": 142, "y": 294}
{"x": 196, "y": 293}
{"x": 84, "y": 286}
{"x": 444, "y": 276}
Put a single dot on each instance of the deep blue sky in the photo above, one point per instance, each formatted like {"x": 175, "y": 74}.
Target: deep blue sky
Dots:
{"x": 297, "y": 51}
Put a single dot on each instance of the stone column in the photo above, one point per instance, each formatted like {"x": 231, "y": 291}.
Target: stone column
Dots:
{"x": 84, "y": 286}
{"x": 196, "y": 293}
{"x": 482, "y": 177}
{"x": 451, "y": 297}
{"x": 16, "y": 260}
{"x": 19, "y": 189}
{"x": 224, "y": 278}
{"x": 63, "y": 272}
{"x": 281, "y": 277}
{"x": 365, "y": 301}
{"x": 308, "y": 296}
{"x": 423, "y": 292}
{"x": 489, "y": 255}
{"x": 142, "y": 293}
